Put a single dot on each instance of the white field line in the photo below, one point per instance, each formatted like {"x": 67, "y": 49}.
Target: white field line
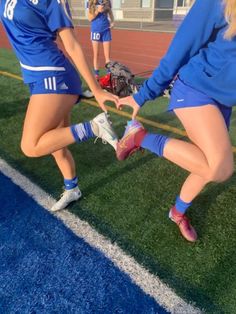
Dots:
{"x": 149, "y": 283}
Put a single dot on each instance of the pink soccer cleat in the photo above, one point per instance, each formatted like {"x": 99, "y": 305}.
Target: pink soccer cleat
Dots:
{"x": 186, "y": 229}
{"x": 131, "y": 140}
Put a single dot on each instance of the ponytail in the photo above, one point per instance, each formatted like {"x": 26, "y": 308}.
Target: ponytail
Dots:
{"x": 230, "y": 16}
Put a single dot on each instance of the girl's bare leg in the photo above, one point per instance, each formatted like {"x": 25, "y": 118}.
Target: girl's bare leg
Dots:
{"x": 209, "y": 157}
{"x": 64, "y": 158}
{"x": 107, "y": 51}
{"x": 95, "y": 45}
{"x": 41, "y": 135}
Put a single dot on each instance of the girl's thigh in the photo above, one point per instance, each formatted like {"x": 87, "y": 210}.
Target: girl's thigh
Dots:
{"x": 46, "y": 112}
{"x": 206, "y": 127}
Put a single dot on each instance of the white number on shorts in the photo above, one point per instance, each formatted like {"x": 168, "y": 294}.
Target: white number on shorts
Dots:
{"x": 9, "y": 9}
{"x": 95, "y": 36}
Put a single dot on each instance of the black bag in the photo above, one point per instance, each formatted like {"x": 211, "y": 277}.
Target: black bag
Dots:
{"x": 121, "y": 79}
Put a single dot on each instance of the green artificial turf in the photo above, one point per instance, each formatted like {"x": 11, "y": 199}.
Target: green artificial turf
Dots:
{"x": 129, "y": 201}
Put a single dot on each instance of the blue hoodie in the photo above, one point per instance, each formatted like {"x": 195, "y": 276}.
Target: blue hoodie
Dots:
{"x": 200, "y": 55}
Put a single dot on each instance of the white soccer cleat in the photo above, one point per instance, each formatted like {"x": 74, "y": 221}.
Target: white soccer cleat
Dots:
{"x": 87, "y": 94}
{"x": 101, "y": 126}
{"x": 67, "y": 197}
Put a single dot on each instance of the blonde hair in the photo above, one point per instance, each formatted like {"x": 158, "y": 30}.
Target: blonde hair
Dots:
{"x": 92, "y": 6}
{"x": 93, "y": 3}
{"x": 230, "y": 16}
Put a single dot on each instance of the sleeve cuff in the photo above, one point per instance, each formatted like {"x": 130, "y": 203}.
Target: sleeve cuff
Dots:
{"x": 140, "y": 100}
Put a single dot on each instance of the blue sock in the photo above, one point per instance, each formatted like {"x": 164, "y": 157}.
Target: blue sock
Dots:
{"x": 155, "y": 143}
{"x": 181, "y": 206}
{"x": 71, "y": 183}
{"x": 82, "y": 131}
{"x": 96, "y": 72}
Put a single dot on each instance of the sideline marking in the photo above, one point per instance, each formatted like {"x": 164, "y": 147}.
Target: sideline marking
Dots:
{"x": 11, "y": 75}
{"x": 149, "y": 283}
{"x": 121, "y": 113}
{"x": 146, "y": 121}
{"x": 162, "y": 126}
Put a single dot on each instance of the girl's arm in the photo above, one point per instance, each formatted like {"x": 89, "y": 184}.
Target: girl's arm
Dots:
{"x": 194, "y": 32}
{"x": 75, "y": 52}
{"x": 111, "y": 17}
{"x": 92, "y": 14}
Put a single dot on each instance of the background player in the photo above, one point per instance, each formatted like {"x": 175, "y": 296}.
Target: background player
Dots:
{"x": 102, "y": 20}
{"x": 54, "y": 84}
{"x": 203, "y": 54}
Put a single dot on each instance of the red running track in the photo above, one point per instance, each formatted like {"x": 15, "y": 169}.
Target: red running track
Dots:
{"x": 141, "y": 51}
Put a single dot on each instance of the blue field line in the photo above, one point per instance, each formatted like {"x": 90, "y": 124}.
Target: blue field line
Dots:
{"x": 45, "y": 268}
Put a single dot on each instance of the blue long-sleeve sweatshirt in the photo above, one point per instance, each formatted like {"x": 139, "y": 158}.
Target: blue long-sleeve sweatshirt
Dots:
{"x": 200, "y": 55}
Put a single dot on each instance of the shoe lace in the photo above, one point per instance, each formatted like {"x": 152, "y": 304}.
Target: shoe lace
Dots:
{"x": 103, "y": 141}
{"x": 178, "y": 219}
{"x": 183, "y": 219}
{"x": 108, "y": 118}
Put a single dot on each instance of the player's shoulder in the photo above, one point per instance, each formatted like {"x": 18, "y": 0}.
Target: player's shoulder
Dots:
{"x": 208, "y": 3}
{"x": 213, "y": 8}
{"x": 40, "y": 3}
{"x": 37, "y": 5}
{"x": 48, "y": 3}
{"x": 43, "y": 5}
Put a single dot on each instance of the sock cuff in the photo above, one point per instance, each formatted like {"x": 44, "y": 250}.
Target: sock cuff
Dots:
{"x": 155, "y": 143}
{"x": 89, "y": 130}
{"x": 96, "y": 72}
{"x": 82, "y": 131}
{"x": 181, "y": 206}
{"x": 71, "y": 183}
{"x": 74, "y": 133}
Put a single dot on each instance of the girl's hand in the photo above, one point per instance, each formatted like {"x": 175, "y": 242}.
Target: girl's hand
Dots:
{"x": 129, "y": 101}
{"x": 112, "y": 25}
{"x": 103, "y": 96}
{"x": 100, "y": 8}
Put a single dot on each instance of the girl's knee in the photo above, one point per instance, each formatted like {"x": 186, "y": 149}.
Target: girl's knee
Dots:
{"x": 221, "y": 172}
{"x": 225, "y": 175}
{"x": 28, "y": 149}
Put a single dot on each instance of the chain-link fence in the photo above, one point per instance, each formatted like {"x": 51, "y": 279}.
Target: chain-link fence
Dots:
{"x": 153, "y": 15}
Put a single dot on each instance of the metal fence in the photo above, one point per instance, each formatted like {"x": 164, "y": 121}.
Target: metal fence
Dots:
{"x": 165, "y": 19}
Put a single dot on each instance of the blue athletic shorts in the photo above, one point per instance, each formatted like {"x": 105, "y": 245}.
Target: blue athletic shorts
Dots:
{"x": 101, "y": 36}
{"x": 183, "y": 96}
{"x": 66, "y": 82}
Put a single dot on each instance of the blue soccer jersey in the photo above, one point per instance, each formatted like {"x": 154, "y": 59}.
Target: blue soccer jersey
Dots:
{"x": 200, "y": 55}
{"x": 31, "y": 26}
{"x": 101, "y": 22}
